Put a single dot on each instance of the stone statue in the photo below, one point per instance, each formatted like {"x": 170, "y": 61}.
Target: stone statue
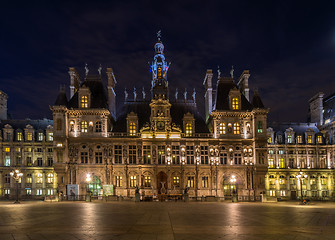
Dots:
{"x": 176, "y": 94}
{"x": 99, "y": 69}
{"x": 135, "y": 94}
{"x": 125, "y": 94}
{"x": 86, "y": 69}
{"x": 185, "y": 94}
{"x": 232, "y": 72}
{"x": 193, "y": 95}
{"x": 143, "y": 93}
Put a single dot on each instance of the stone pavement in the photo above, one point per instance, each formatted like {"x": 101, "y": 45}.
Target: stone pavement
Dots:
{"x": 166, "y": 220}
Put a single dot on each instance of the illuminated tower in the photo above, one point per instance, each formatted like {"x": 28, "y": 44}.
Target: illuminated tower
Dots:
{"x": 159, "y": 69}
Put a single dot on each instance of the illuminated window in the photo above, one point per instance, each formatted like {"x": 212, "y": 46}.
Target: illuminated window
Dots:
{"x": 269, "y": 140}
{"x": 271, "y": 163}
{"x": 309, "y": 139}
{"x": 272, "y": 193}
{"x": 236, "y": 128}
{"x": 83, "y": 102}
{"x": 17, "y": 149}
{"x": 38, "y": 192}
{"x": 7, "y": 191}
{"x": 50, "y": 136}
{"x": 28, "y": 191}
{"x": 289, "y": 139}
{"x": 190, "y": 182}
{"x": 260, "y": 127}
{"x": 188, "y": 129}
{"x": 299, "y": 139}
{"x": 147, "y": 181}
{"x": 204, "y": 182}
{"x": 281, "y": 163}
{"x": 234, "y": 104}
{"x": 29, "y": 178}
{"x": 132, "y": 129}
{"x": 222, "y": 128}
{"x": 50, "y": 178}
{"x": 319, "y": 139}
{"x": 282, "y": 179}
{"x": 7, "y": 149}
{"x": 30, "y": 136}
{"x": 59, "y": 124}
{"x": 118, "y": 181}
{"x": 19, "y": 136}
{"x": 176, "y": 181}
{"x": 282, "y": 193}
{"x": 83, "y": 126}
{"x": 147, "y": 154}
{"x": 133, "y": 181}
{"x": 7, "y": 161}
{"x": 98, "y": 126}
{"x": 323, "y": 180}
{"x": 50, "y": 192}
{"x": 39, "y": 178}
{"x": 312, "y": 180}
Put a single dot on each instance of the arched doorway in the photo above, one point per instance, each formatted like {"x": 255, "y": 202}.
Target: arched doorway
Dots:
{"x": 230, "y": 184}
{"x": 94, "y": 186}
{"x": 162, "y": 183}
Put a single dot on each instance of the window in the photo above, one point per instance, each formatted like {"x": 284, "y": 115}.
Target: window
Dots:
{"x": 29, "y": 161}
{"x": 118, "y": 154}
{"x": 299, "y": 139}
{"x": 147, "y": 154}
{"x": 292, "y": 180}
{"x": 271, "y": 163}
{"x": 40, "y": 136}
{"x": 190, "y": 182}
{"x": 223, "y": 158}
{"x": 7, "y": 161}
{"x": 236, "y": 128}
{"x": 50, "y": 150}
{"x": 237, "y": 158}
{"x": 323, "y": 180}
{"x": 291, "y": 162}
{"x": 19, "y": 136}
{"x": 281, "y": 163}
{"x": 260, "y": 127}
{"x": 29, "y": 178}
{"x": 50, "y": 137}
{"x": 98, "y": 157}
{"x": 118, "y": 181}
{"x": 312, "y": 180}
{"x": 282, "y": 179}
{"x": 176, "y": 181}
{"x": 289, "y": 139}
{"x": 7, "y": 178}
{"x": 222, "y": 128}
{"x": 272, "y": 193}
{"x": 133, "y": 181}
{"x": 83, "y": 126}
{"x": 50, "y": 192}
{"x": 204, "y": 154}
{"x": 132, "y": 129}
{"x": 309, "y": 139}
{"x": 28, "y": 191}
{"x": 39, "y": 150}
{"x": 269, "y": 140}
{"x": 189, "y": 155}
{"x": 7, "y": 149}
{"x": 175, "y": 155}
{"x": 38, "y": 192}
{"x": 319, "y": 139}
{"x": 59, "y": 124}
{"x": 281, "y": 152}
{"x": 83, "y": 102}
{"x": 188, "y": 129}
{"x": 50, "y": 178}
{"x": 39, "y": 162}
{"x": 282, "y": 193}
{"x": 50, "y": 161}
{"x": 98, "y": 126}
{"x": 234, "y": 104}
{"x": 147, "y": 181}
{"x": 204, "y": 182}
{"x": 39, "y": 178}
{"x": 132, "y": 154}
{"x": 84, "y": 157}
{"x": 7, "y": 191}
{"x": 18, "y": 161}
{"x": 161, "y": 154}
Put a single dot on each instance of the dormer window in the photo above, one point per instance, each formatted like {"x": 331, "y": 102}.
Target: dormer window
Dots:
{"x": 19, "y": 136}
{"x": 299, "y": 139}
{"x": 319, "y": 139}
{"x": 83, "y": 126}
{"x": 188, "y": 129}
{"x": 84, "y": 101}
{"x": 40, "y": 136}
{"x": 30, "y": 136}
{"x": 309, "y": 139}
{"x": 132, "y": 129}
{"x": 235, "y": 103}
{"x": 260, "y": 127}
{"x": 236, "y": 128}
{"x": 222, "y": 128}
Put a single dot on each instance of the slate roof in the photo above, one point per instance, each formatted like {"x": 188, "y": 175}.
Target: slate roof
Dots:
{"x": 61, "y": 99}
{"x": 98, "y": 95}
{"x": 257, "y": 101}
{"x": 298, "y": 128}
{"x": 22, "y": 123}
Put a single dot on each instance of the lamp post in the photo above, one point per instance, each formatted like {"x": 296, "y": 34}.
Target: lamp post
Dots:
{"x": 16, "y": 175}
{"x": 299, "y": 177}
{"x": 88, "y": 180}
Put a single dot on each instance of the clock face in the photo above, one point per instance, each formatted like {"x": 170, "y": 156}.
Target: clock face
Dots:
{"x": 160, "y": 125}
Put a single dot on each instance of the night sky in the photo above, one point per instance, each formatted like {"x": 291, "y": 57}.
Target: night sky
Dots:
{"x": 288, "y": 46}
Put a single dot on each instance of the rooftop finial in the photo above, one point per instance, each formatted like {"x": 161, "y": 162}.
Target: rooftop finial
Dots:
{"x": 99, "y": 69}
{"x": 185, "y": 94}
{"x": 86, "y": 69}
{"x": 135, "y": 94}
{"x": 143, "y": 93}
{"x": 219, "y": 72}
{"x": 193, "y": 95}
{"x": 176, "y": 94}
{"x": 159, "y": 35}
{"x": 232, "y": 71}
{"x": 125, "y": 94}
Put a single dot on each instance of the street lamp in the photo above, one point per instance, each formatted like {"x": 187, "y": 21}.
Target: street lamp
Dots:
{"x": 88, "y": 180}
{"x": 16, "y": 175}
{"x": 300, "y": 176}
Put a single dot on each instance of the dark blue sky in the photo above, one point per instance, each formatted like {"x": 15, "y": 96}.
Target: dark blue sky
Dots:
{"x": 288, "y": 46}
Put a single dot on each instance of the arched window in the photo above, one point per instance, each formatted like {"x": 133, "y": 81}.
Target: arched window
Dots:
{"x": 50, "y": 178}
{"x": 234, "y": 104}
{"x": 132, "y": 129}
{"x": 222, "y": 128}
{"x": 236, "y": 128}
{"x": 98, "y": 126}
{"x": 83, "y": 101}
{"x": 83, "y": 126}
{"x": 188, "y": 129}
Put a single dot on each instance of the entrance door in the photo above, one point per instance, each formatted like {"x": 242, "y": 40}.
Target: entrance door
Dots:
{"x": 293, "y": 195}
{"x": 95, "y": 186}
{"x": 161, "y": 183}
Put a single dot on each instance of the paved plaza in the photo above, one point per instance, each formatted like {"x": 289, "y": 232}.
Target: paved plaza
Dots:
{"x": 166, "y": 220}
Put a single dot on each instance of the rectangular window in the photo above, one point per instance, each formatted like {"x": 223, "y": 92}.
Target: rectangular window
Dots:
{"x": 299, "y": 139}
{"x": 204, "y": 154}
{"x": 50, "y": 137}
{"x": 118, "y": 154}
{"x": 272, "y": 193}
{"x": 132, "y": 154}
{"x": 39, "y": 178}
{"x": 161, "y": 154}
{"x": 28, "y": 191}
{"x": 83, "y": 126}
{"x": 50, "y": 162}
{"x": 271, "y": 163}
{"x": 188, "y": 129}
{"x": 132, "y": 129}
{"x": 39, "y": 150}
{"x": 133, "y": 181}
{"x": 39, "y": 162}
{"x": 50, "y": 178}
{"x": 84, "y": 157}
{"x": 38, "y": 192}
{"x": 50, "y": 150}
{"x": 282, "y": 193}
{"x": 309, "y": 139}
{"x": 50, "y": 192}
{"x": 291, "y": 162}
{"x": 236, "y": 128}
{"x": 84, "y": 102}
{"x": 18, "y": 161}
{"x": 19, "y": 136}
{"x": 260, "y": 127}
{"x": 147, "y": 181}
{"x": 29, "y": 162}
{"x": 175, "y": 155}
{"x": 8, "y": 136}
{"x": 190, "y": 182}
{"x": 176, "y": 181}
{"x": 118, "y": 180}
{"x": 281, "y": 163}
{"x": 98, "y": 157}
{"x": 98, "y": 126}
{"x": 7, "y": 191}
{"x": 29, "y": 178}
{"x": 190, "y": 154}
{"x": 289, "y": 139}
{"x": 319, "y": 139}
{"x": 7, "y": 149}
{"x": 40, "y": 136}
{"x": 29, "y": 136}
{"x": 269, "y": 140}
{"x": 147, "y": 154}
{"x": 234, "y": 104}
{"x": 7, "y": 161}
{"x": 204, "y": 182}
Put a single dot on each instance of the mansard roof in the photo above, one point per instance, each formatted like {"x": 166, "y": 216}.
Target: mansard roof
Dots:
{"x": 143, "y": 111}
{"x": 257, "y": 101}
{"x": 298, "y": 128}
{"x": 224, "y": 86}
{"x": 22, "y": 123}
{"x": 61, "y": 99}
{"x": 98, "y": 96}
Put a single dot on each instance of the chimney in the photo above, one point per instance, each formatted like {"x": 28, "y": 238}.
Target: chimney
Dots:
{"x": 208, "y": 93}
{"x": 111, "y": 92}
